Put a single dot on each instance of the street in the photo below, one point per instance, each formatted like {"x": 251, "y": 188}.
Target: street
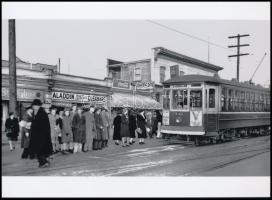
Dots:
{"x": 158, "y": 157}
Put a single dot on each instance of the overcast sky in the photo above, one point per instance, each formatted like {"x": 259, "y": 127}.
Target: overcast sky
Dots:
{"x": 84, "y": 45}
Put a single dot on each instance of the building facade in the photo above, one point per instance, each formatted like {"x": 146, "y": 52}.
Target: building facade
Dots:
{"x": 162, "y": 65}
{"x": 51, "y": 87}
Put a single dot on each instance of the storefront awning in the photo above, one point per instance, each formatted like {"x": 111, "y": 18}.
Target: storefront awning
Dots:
{"x": 134, "y": 101}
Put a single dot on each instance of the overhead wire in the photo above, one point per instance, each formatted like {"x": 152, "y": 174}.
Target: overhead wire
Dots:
{"x": 189, "y": 35}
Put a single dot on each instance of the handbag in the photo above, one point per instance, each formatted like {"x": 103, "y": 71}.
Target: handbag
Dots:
{"x": 139, "y": 130}
{"x": 9, "y": 134}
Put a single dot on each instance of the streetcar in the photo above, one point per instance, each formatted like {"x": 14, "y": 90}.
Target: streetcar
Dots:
{"x": 209, "y": 109}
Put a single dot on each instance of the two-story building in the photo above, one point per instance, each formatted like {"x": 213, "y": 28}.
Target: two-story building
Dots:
{"x": 163, "y": 64}
{"x": 53, "y": 88}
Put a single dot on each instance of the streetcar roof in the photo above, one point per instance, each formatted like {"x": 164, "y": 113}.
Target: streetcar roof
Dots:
{"x": 210, "y": 79}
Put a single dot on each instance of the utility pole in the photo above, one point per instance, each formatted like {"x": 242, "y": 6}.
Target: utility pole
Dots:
{"x": 238, "y": 50}
{"x": 12, "y": 68}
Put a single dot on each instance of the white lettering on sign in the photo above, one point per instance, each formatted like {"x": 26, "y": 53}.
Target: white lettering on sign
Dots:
{"x": 22, "y": 93}
{"x": 78, "y": 97}
{"x": 145, "y": 85}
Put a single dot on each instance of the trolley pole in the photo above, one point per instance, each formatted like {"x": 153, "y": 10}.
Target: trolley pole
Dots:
{"x": 238, "y": 51}
{"x": 12, "y": 68}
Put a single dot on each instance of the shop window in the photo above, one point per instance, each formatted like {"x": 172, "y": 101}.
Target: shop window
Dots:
{"x": 195, "y": 98}
{"x": 162, "y": 73}
{"x": 180, "y": 99}
{"x": 211, "y": 98}
{"x": 138, "y": 74}
{"x": 223, "y": 100}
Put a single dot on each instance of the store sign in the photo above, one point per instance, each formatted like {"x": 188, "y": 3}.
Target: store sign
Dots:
{"x": 83, "y": 98}
{"x": 121, "y": 84}
{"x": 22, "y": 94}
{"x": 145, "y": 85}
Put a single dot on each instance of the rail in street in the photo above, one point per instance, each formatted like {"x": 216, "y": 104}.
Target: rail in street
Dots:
{"x": 243, "y": 157}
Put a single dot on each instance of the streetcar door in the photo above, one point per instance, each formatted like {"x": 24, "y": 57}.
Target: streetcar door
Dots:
{"x": 211, "y": 101}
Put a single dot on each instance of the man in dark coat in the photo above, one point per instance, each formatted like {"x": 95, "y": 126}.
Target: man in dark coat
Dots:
{"x": 40, "y": 139}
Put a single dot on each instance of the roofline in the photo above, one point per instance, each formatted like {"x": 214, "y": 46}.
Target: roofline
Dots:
{"x": 219, "y": 81}
{"x": 188, "y": 59}
{"x": 136, "y": 61}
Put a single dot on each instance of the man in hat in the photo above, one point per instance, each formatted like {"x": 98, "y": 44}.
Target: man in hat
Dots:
{"x": 40, "y": 139}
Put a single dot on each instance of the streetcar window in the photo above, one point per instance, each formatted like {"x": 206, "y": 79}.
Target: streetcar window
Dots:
{"x": 166, "y": 100}
{"x": 211, "y": 98}
{"x": 196, "y": 98}
{"x": 251, "y": 101}
{"x": 230, "y": 100}
{"x": 180, "y": 99}
{"x": 262, "y": 102}
{"x": 242, "y": 102}
{"x": 247, "y": 101}
{"x": 223, "y": 100}
{"x": 236, "y": 100}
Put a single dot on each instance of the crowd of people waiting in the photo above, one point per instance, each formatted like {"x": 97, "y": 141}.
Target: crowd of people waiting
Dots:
{"x": 45, "y": 132}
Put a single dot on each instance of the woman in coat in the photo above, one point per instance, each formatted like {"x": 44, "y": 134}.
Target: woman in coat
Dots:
{"x": 99, "y": 129}
{"x": 79, "y": 130}
{"x": 105, "y": 127}
{"x": 141, "y": 123}
{"x": 67, "y": 134}
{"x": 132, "y": 126}
{"x": 12, "y": 129}
{"x": 90, "y": 129}
{"x": 25, "y": 127}
{"x": 40, "y": 138}
{"x": 117, "y": 128}
{"x": 125, "y": 127}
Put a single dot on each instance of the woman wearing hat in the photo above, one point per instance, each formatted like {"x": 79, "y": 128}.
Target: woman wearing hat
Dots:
{"x": 40, "y": 138}
{"x": 12, "y": 129}
{"x": 25, "y": 127}
{"x": 99, "y": 129}
{"x": 141, "y": 123}
{"x": 125, "y": 127}
{"x": 54, "y": 129}
{"x": 67, "y": 134}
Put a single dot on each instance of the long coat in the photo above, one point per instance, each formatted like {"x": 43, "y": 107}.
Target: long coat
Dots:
{"x": 26, "y": 129}
{"x": 117, "y": 128}
{"x": 90, "y": 126}
{"x": 105, "y": 122}
{"x": 79, "y": 128}
{"x": 99, "y": 126}
{"x": 12, "y": 128}
{"x": 132, "y": 125}
{"x": 67, "y": 134}
{"x": 124, "y": 126}
{"x": 52, "y": 122}
{"x": 40, "y": 138}
{"x": 141, "y": 123}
